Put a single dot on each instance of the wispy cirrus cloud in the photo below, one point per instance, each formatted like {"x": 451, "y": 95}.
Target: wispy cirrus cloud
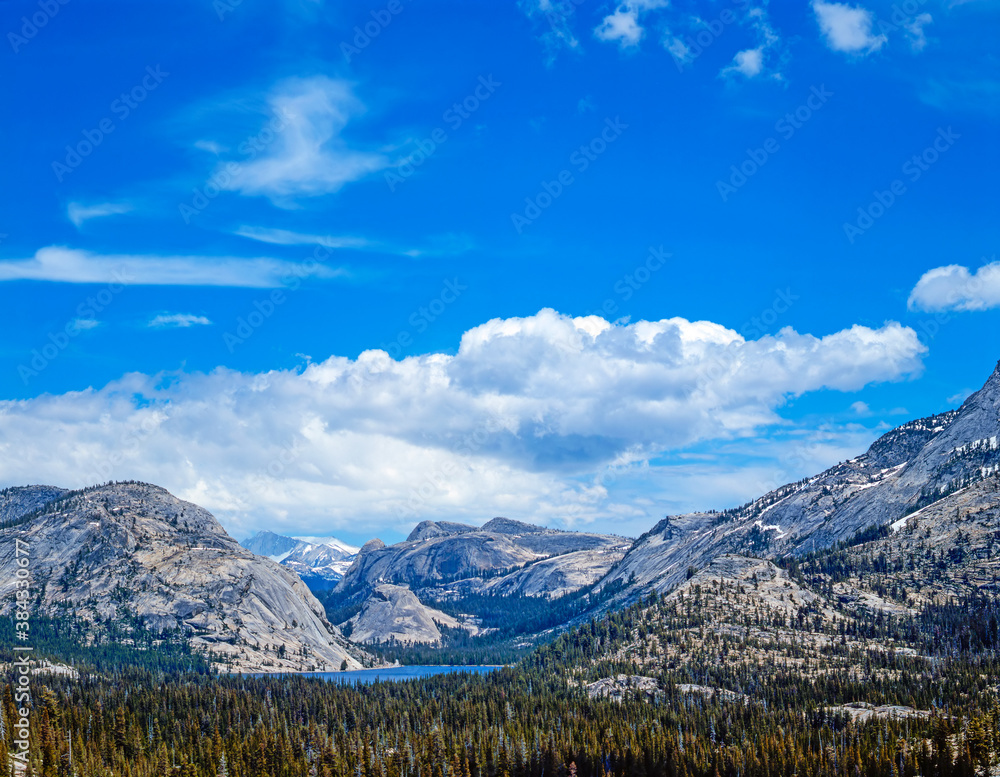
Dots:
{"x": 750, "y": 63}
{"x": 915, "y": 31}
{"x": 285, "y": 237}
{"x": 59, "y": 264}
{"x": 558, "y": 17}
{"x": 848, "y": 28}
{"x": 309, "y": 155}
{"x": 967, "y": 92}
{"x": 177, "y": 321}
{"x": 79, "y": 213}
{"x": 440, "y": 245}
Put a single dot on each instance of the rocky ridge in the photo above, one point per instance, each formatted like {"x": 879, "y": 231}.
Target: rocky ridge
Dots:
{"x": 906, "y": 469}
{"x": 442, "y": 555}
{"x": 394, "y": 614}
{"x": 894, "y": 591}
{"x": 134, "y": 549}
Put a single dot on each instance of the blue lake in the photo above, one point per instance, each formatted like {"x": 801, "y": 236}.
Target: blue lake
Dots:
{"x": 394, "y": 673}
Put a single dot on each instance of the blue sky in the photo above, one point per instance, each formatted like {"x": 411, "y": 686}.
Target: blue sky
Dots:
{"x": 782, "y": 221}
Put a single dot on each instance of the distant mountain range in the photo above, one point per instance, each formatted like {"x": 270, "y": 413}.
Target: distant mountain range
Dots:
{"x": 444, "y": 561}
{"x": 495, "y": 557}
{"x": 132, "y": 548}
{"x": 320, "y": 561}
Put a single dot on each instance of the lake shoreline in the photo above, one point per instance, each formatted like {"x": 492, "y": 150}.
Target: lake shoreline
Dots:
{"x": 398, "y": 673}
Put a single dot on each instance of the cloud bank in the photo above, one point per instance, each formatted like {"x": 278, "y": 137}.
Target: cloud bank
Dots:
{"x": 536, "y": 417}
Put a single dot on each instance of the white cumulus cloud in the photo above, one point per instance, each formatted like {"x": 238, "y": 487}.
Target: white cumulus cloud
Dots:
{"x": 954, "y": 287}
{"x": 623, "y": 25}
{"x": 748, "y": 63}
{"x": 847, "y": 28}
{"x": 525, "y": 419}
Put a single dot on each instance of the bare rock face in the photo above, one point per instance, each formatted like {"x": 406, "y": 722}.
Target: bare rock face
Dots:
{"x": 15, "y": 503}
{"x": 559, "y": 575}
{"x": 135, "y": 549}
{"x": 907, "y": 469}
{"x": 509, "y": 526}
{"x": 427, "y": 529}
{"x": 469, "y": 557}
{"x": 443, "y": 561}
{"x": 394, "y": 614}
{"x": 371, "y": 545}
{"x": 618, "y": 687}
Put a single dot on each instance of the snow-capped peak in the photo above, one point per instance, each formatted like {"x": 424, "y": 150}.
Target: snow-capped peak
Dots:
{"x": 331, "y": 542}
